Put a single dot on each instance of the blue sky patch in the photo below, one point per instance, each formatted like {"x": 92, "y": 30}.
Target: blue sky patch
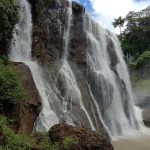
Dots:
{"x": 87, "y": 4}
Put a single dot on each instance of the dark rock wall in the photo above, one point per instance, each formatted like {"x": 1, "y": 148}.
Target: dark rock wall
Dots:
{"x": 47, "y": 31}
{"x": 78, "y": 45}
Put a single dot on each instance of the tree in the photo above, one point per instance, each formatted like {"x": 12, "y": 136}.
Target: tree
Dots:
{"x": 135, "y": 39}
{"x": 135, "y": 42}
{"x": 119, "y": 22}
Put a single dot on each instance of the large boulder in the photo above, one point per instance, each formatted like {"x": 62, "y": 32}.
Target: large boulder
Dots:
{"x": 146, "y": 117}
{"x": 143, "y": 103}
{"x": 30, "y": 105}
{"x": 77, "y": 138}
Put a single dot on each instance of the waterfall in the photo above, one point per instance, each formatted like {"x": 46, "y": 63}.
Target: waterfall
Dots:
{"x": 106, "y": 78}
{"x": 73, "y": 94}
{"x": 109, "y": 79}
{"x": 20, "y": 51}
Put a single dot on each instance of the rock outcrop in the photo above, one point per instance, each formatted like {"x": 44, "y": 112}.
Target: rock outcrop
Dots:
{"x": 47, "y": 35}
{"x": 146, "y": 117}
{"x": 83, "y": 139}
{"x": 144, "y": 104}
{"x": 30, "y": 105}
{"x": 48, "y": 32}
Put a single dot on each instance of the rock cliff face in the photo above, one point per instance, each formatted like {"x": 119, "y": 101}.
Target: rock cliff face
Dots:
{"x": 30, "y": 105}
{"x": 48, "y": 49}
{"x": 48, "y": 32}
{"x": 75, "y": 71}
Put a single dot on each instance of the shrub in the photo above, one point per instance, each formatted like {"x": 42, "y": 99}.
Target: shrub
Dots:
{"x": 12, "y": 140}
{"x": 68, "y": 141}
{"x": 45, "y": 142}
{"x": 142, "y": 60}
{"x": 11, "y": 90}
{"x": 8, "y": 19}
{"x": 140, "y": 67}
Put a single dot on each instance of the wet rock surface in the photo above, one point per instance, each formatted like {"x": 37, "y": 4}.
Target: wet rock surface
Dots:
{"x": 83, "y": 139}
{"x": 144, "y": 104}
{"x": 146, "y": 117}
{"x": 48, "y": 30}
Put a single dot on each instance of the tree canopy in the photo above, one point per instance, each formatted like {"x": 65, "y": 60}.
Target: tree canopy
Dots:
{"x": 135, "y": 39}
{"x": 119, "y": 22}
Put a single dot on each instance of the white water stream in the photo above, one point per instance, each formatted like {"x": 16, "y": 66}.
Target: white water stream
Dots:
{"x": 73, "y": 92}
{"x": 20, "y": 51}
{"x": 99, "y": 62}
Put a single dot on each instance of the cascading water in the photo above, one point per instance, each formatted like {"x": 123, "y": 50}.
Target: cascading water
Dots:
{"x": 73, "y": 94}
{"x": 107, "y": 78}
{"x": 21, "y": 52}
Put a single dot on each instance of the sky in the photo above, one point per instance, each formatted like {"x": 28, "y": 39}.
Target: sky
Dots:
{"x": 104, "y": 11}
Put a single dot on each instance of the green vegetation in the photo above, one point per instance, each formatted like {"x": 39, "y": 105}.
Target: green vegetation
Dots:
{"x": 11, "y": 90}
{"x": 12, "y": 140}
{"x": 45, "y": 142}
{"x": 135, "y": 42}
{"x": 135, "y": 39}
{"x": 143, "y": 59}
{"x": 119, "y": 22}
{"x": 68, "y": 141}
{"x": 8, "y": 19}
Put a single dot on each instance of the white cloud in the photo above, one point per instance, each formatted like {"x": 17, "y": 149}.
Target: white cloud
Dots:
{"x": 106, "y": 10}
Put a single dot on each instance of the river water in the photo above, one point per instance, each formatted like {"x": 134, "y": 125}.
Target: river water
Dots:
{"x": 140, "y": 142}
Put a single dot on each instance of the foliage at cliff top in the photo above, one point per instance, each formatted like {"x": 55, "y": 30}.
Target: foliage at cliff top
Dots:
{"x": 8, "y": 19}
{"x": 11, "y": 90}
{"x": 135, "y": 39}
